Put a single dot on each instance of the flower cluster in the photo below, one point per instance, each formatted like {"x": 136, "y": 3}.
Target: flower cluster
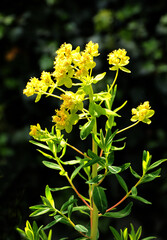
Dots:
{"x": 38, "y": 86}
{"x": 142, "y": 113}
{"x": 66, "y": 116}
{"x": 74, "y": 63}
{"x": 119, "y": 59}
{"x": 35, "y": 130}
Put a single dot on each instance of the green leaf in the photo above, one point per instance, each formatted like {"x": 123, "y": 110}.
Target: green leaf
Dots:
{"x": 51, "y": 224}
{"x": 39, "y": 144}
{"x": 138, "y": 233}
{"x": 96, "y": 110}
{"x": 87, "y": 128}
{"x": 125, "y": 69}
{"x": 95, "y": 179}
{"x": 50, "y": 235}
{"x": 60, "y": 189}
{"x": 134, "y": 191}
{"x": 71, "y": 162}
{"x": 115, "y": 233}
{"x": 120, "y": 214}
{"x": 39, "y": 206}
{"x": 76, "y": 171}
{"x": 117, "y": 148}
{"x": 51, "y": 165}
{"x": 114, "y": 68}
{"x": 114, "y": 169}
{"x": 141, "y": 199}
{"x": 146, "y": 161}
{"x": 151, "y": 176}
{"x": 45, "y": 154}
{"x": 100, "y": 199}
{"x": 40, "y": 212}
{"x": 49, "y": 196}
{"x": 148, "y": 238}
{"x": 122, "y": 182}
{"x": 70, "y": 207}
{"x": 157, "y": 163}
{"x": 68, "y": 203}
{"x": 135, "y": 174}
{"x": 95, "y": 158}
{"x": 46, "y": 202}
{"x": 81, "y": 228}
{"x": 99, "y": 77}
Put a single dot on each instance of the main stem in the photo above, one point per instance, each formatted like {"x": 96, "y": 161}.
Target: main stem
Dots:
{"x": 94, "y": 212}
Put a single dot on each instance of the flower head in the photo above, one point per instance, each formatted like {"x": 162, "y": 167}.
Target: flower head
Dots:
{"x": 119, "y": 59}
{"x": 64, "y": 120}
{"x": 35, "y": 131}
{"x": 92, "y": 48}
{"x": 46, "y": 78}
{"x": 142, "y": 113}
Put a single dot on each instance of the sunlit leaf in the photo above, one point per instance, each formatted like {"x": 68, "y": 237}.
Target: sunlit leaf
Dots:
{"x": 81, "y": 228}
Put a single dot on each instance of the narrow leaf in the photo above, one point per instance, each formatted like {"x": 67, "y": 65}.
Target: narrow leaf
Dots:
{"x": 120, "y": 214}
{"x": 122, "y": 183}
{"x": 49, "y": 195}
{"x": 148, "y": 238}
{"x": 100, "y": 199}
{"x": 157, "y": 163}
{"x": 115, "y": 233}
{"x": 39, "y": 212}
{"x": 81, "y": 228}
{"x": 141, "y": 199}
{"x": 135, "y": 174}
{"x": 75, "y": 172}
{"x": 45, "y": 154}
{"x": 51, "y": 165}
{"x": 39, "y": 144}
{"x": 114, "y": 169}
{"x": 87, "y": 128}
{"x": 59, "y": 189}
{"x": 95, "y": 179}
{"x": 68, "y": 203}
{"x": 151, "y": 176}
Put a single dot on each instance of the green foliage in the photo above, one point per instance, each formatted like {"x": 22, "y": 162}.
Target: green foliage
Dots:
{"x": 28, "y": 44}
{"x": 132, "y": 235}
{"x": 92, "y": 167}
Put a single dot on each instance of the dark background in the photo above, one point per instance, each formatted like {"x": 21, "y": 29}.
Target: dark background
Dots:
{"x": 30, "y": 33}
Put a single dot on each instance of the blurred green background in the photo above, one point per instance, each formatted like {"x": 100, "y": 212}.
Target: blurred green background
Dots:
{"x": 30, "y": 33}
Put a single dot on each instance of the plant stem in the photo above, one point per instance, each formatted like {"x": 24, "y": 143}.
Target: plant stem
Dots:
{"x": 128, "y": 127}
{"x": 125, "y": 197}
{"x": 116, "y": 75}
{"x": 77, "y": 150}
{"x": 72, "y": 185}
{"x": 94, "y": 212}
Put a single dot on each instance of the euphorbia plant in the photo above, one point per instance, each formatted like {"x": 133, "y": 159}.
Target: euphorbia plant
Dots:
{"x": 73, "y": 70}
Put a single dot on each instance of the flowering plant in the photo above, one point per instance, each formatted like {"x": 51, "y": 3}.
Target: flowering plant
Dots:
{"x": 73, "y": 68}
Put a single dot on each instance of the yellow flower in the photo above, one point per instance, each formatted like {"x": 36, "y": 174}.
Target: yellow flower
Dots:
{"x": 119, "y": 59}
{"x": 46, "y": 78}
{"x": 35, "y": 131}
{"x": 64, "y": 120}
{"x": 60, "y": 118}
{"x": 142, "y": 113}
{"x": 72, "y": 101}
{"x": 92, "y": 49}
{"x": 33, "y": 86}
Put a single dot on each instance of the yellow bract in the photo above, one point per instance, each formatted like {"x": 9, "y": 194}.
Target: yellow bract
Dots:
{"x": 119, "y": 59}
{"x": 142, "y": 113}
